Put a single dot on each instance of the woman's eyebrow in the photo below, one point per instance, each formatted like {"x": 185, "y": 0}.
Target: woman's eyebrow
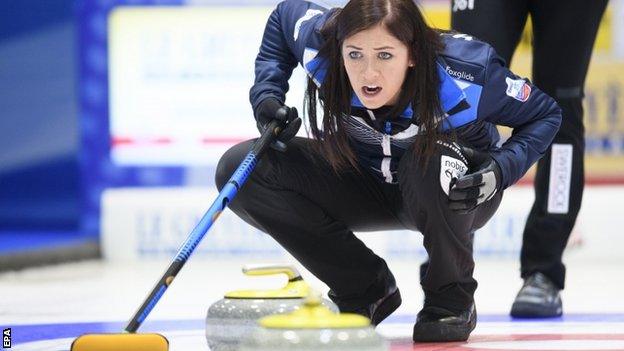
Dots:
{"x": 380, "y": 48}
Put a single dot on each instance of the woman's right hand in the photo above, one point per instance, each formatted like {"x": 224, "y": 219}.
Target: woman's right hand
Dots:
{"x": 270, "y": 109}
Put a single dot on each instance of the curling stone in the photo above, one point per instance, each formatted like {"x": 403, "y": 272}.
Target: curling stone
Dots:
{"x": 233, "y": 318}
{"x": 312, "y": 328}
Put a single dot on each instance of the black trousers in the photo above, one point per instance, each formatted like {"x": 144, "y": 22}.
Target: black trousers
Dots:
{"x": 564, "y": 34}
{"x": 312, "y": 211}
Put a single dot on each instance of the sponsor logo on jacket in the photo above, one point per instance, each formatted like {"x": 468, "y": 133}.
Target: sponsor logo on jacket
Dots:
{"x": 518, "y": 89}
{"x": 450, "y": 168}
{"x": 459, "y": 74}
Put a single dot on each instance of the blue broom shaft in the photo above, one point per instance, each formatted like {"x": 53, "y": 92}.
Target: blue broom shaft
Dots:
{"x": 186, "y": 249}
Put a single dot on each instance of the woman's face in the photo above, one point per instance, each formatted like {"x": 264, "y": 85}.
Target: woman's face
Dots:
{"x": 376, "y": 63}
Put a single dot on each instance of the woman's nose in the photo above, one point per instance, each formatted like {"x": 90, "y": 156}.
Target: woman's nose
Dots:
{"x": 371, "y": 71}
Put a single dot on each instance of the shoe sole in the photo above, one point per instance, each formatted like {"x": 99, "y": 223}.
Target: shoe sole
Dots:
{"x": 438, "y": 332}
{"x": 529, "y": 310}
{"x": 387, "y": 307}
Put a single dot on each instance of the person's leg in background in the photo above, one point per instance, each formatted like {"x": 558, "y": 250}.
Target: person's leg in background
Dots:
{"x": 564, "y": 36}
{"x": 311, "y": 211}
{"x": 498, "y": 23}
{"x": 449, "y": 312}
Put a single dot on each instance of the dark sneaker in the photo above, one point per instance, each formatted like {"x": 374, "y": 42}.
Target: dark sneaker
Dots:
{"x": 437, "y": 324}
{"x": 538, "y": 298}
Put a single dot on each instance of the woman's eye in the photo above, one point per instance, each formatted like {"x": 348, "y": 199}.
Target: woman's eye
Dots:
{"x": 384, "y": 55}
{"x": 355, "y": 54}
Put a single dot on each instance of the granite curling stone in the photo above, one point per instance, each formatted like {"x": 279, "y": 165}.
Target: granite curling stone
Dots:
{"x": 312, "y": 328}
{"x": 233, "y": 318}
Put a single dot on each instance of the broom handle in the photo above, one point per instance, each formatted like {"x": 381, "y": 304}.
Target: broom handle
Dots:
{"x": 223, "y": 199}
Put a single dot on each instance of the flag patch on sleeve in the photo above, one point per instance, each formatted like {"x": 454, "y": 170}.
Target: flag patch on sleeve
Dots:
{"x": 518, "y": 89}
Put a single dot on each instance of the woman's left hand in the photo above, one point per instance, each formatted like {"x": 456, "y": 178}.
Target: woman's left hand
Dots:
{"x": 479, "y": 185}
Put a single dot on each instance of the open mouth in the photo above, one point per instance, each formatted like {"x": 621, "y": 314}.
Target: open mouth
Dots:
{"x": 370, "y": 90}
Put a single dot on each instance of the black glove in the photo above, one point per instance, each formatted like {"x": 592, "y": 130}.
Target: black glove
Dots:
{"x": 270, "y": 109}
{"x": 477, "y": 186}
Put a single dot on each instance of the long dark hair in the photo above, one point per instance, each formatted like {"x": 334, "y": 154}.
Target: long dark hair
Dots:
{"x": 403, "y": 19}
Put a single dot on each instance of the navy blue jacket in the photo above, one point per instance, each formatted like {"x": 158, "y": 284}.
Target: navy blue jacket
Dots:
{"x": 477, "y": 92}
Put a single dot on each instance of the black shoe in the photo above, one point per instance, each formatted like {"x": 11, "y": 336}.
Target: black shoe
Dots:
{"x": 382, "y": 308}
{"x": 436, "y": 324}
{"x": 376, "y": 311}
{"x": 538, "y": 298}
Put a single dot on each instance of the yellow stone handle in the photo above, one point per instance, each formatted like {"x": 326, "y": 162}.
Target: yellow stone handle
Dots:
{"x": 271, "y": 269}
{"x": 314, "y": 298}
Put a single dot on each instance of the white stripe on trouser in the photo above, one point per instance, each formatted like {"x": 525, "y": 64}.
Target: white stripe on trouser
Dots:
{"x": 560, "y": 176}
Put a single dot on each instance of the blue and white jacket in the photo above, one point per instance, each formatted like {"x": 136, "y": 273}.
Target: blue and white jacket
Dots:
{"x": 477, "y": 92}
